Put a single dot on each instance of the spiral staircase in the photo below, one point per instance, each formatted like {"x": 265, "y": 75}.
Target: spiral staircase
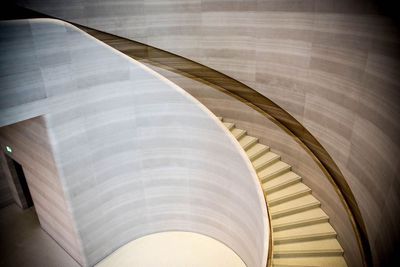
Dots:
{"x": 301, "y": 232}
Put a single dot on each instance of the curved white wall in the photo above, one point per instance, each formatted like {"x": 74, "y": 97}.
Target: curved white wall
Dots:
{"x": 135, "y": 153}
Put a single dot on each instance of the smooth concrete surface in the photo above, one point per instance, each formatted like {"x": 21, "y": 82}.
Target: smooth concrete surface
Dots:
{"x": 24, "y": 243}
{"x": 332, "y": 64}
{"x": 177, "y": 249}
{"x": 135, "y": 153}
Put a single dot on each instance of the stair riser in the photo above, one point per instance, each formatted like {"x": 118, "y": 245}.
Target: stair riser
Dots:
{"x": 294, "y": 239}
{"x": 271, "y": 176}
{"x": 299, "y": 224}
{"x": 308, "y": 254}
{"x": 293, "y": 211}
{"x": 281, "y": 186}
{"x": 272, "y": 203}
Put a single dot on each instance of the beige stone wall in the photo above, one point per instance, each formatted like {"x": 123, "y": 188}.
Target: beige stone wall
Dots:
{"x": 331, "y": 64}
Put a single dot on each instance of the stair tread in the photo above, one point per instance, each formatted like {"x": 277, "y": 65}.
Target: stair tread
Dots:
{"x": 309, "y": 216}
{"x": 265, "y": 160}
{"x": 238, "y": 133}
{"x": 281, "y": 179}
{"x": 318, "y": 245}
{"x": 229, "y": 125}
{"x": 301, "y": 203}
{"x": 301, "y": 230}
{"x": 320, "y": 229}
{"x": 247, "y": 141}
{"x": 288, "y": 191}
{"x": 274, "y": 169}
{"x": 257, "y": 150}
{"x": 336, "y": 261}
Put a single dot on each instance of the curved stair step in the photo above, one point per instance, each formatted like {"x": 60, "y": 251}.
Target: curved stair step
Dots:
{"x": 247, "y": 141}
{"x": 265, "y": 160}
{"x": 229, "y": 125}
{"x": 319, "y": 248}
{"x": 289, "y": 193}
{"x": 272, "y": 171}
{"x": 300, "y": 219}
{"x": 335, "y": 261}
{"x": 293, "y": 206}
{"x": 257, "y": 151}
{"x": 305, "y": 233}
{"x": 238, "y": 133}
{"x": 280, "y": 182}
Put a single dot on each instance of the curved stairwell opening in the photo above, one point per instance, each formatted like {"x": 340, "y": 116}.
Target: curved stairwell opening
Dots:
{"x": 301, "y": 232}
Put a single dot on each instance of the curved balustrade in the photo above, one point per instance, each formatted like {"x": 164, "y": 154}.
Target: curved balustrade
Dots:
{"x": 133, "y": 153}
{"x": 165, "y": 62}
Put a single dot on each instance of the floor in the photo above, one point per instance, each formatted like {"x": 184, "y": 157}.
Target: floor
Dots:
{"x": 173, "y": 249}
{"x": 24, "y": 244}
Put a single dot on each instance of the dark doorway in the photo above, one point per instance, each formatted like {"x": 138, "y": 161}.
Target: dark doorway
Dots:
{"x": 21, "y": 185}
